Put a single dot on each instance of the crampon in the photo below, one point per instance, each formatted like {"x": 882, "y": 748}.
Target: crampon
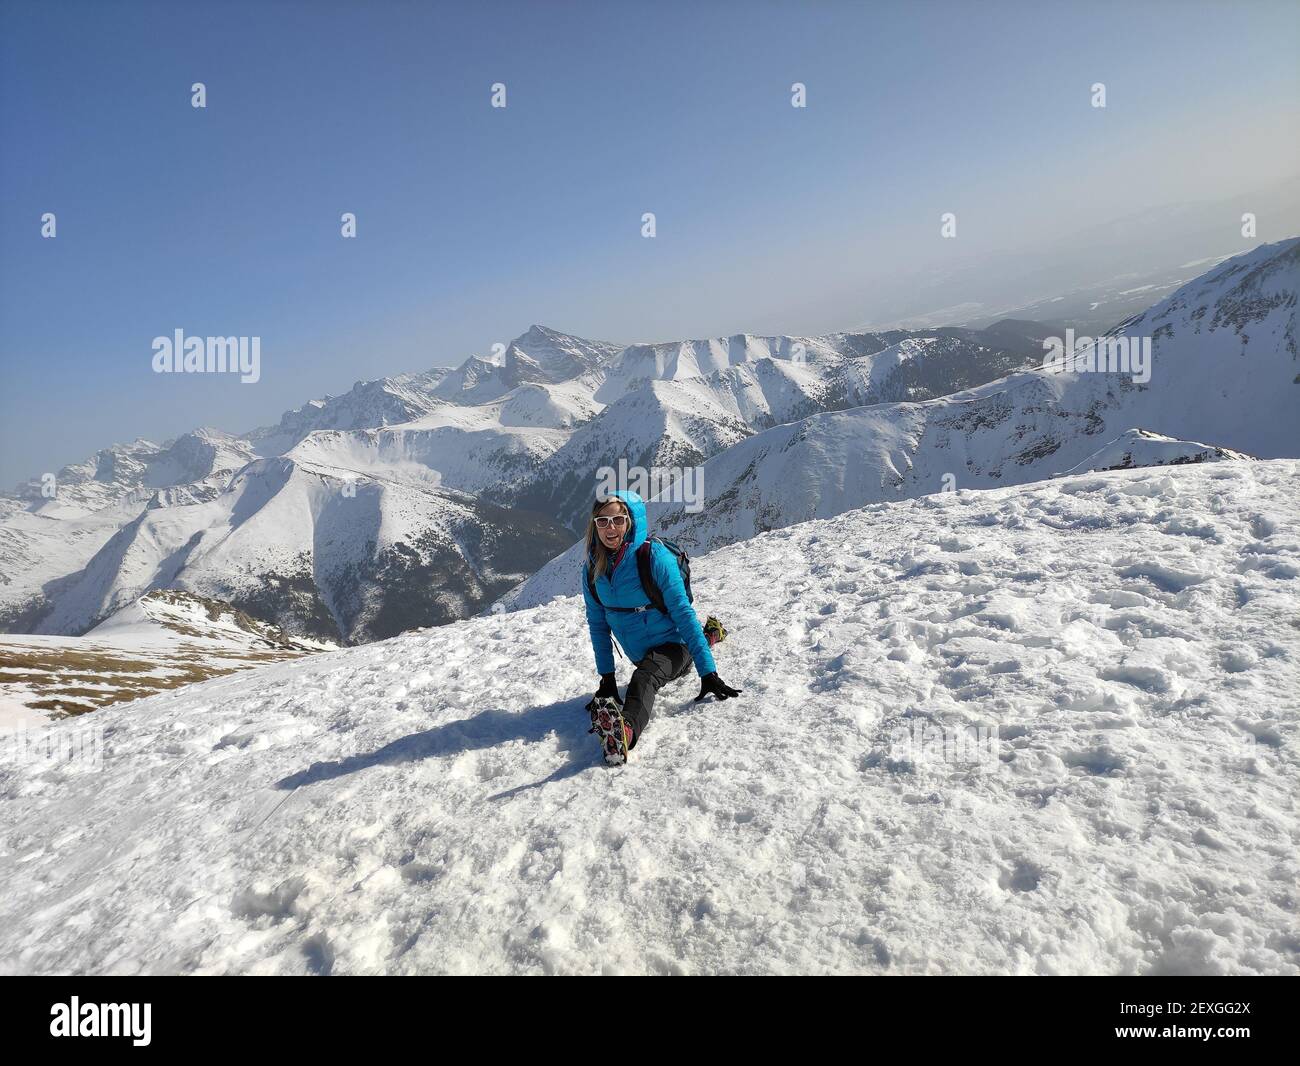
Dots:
{"x": 611, "y": 730}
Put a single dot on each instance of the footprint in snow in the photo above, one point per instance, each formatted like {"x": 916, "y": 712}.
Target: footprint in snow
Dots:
{"x": 1022, "y": 877}
{"x": 1098, "y": 761}
{"x": 1262, "y": 527}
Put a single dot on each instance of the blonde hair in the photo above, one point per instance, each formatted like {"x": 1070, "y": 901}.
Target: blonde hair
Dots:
{"x": 596, "y": 550}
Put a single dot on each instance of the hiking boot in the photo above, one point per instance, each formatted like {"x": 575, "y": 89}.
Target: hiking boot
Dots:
{"x": 614, "y": 734}
{"x": 714, "y": 633}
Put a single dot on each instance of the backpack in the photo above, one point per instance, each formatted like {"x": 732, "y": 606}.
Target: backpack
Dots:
{"x": 646, "y": 573}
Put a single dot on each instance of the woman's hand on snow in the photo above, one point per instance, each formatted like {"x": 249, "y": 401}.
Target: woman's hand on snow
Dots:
{"x": 712, "y": 684}
{"x": 608, "y": 687}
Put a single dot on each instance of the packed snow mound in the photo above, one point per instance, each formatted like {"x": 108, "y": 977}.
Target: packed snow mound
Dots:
{"x": 433, "y": 803}
{"x": 1138, "y": 447}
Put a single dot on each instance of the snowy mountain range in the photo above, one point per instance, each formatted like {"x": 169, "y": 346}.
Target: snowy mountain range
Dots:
{"x": 1040, "y": 729}
{"x": 1224, "y": 371}
{"x": 416, "y": 500}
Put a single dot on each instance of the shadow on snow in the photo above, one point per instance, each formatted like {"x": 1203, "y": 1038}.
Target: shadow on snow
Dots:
{"x": 567, "y": 720}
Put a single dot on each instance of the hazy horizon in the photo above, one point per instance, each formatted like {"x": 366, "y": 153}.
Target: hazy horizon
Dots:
{"x": 474, "y": 222}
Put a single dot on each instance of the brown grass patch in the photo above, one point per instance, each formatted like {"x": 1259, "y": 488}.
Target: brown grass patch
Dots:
{"x": 63, "y": 679}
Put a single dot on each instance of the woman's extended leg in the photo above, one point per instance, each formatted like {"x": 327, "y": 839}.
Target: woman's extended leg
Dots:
{"x": 665, "y": 663}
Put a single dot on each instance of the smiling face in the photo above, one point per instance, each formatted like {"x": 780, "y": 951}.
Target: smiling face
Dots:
{"x": 611, "y": 533}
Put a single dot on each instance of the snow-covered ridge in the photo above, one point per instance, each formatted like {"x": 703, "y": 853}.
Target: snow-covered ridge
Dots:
{"x": 433, "y": 803}
{"x": 382, "y": 402}
{"x": 683, "y": 416}
{"x": 132, "y": 471}
{"x": 164, "y": 614}
{"x": 1138, "y": 447}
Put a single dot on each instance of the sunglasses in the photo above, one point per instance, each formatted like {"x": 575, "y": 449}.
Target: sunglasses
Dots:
{"x": 618, "y": 521}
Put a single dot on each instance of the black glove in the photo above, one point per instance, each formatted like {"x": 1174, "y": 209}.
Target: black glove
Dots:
{"x": 713, "y": 684}
{"x": 608, "y": 687}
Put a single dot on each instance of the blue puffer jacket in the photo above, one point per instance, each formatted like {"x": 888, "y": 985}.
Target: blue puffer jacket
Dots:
{"x": 640, "y": 631}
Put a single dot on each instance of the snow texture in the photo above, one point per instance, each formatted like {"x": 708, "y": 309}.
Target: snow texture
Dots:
{"x": 433, "y": 803}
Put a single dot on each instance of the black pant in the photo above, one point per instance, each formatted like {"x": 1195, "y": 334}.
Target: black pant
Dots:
{"x": 665, "y": 663}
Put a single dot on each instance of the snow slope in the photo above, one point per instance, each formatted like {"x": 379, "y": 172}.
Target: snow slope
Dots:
{"x": 319, "y": 551}
{"x": 160, "y": 616}
{"x": 38, "y": 549}
{"x": 45, "y": 542}
{"x": 1224, "y": 371}
{"x": 433, "y": 803}
{"x": 457, "y": 447}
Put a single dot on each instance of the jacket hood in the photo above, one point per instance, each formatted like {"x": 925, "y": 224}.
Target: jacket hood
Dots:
{"x": 635, "y": 508}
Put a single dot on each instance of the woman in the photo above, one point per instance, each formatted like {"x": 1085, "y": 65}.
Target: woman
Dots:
{"x": 662, "y": 643}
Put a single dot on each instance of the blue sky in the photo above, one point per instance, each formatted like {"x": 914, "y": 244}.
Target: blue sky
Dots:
{"x": 475, "y": 222}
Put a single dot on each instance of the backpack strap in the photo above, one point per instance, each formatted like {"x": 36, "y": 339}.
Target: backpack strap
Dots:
{"x": 645, "y": 570}
{"x": 591, "y": 586}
